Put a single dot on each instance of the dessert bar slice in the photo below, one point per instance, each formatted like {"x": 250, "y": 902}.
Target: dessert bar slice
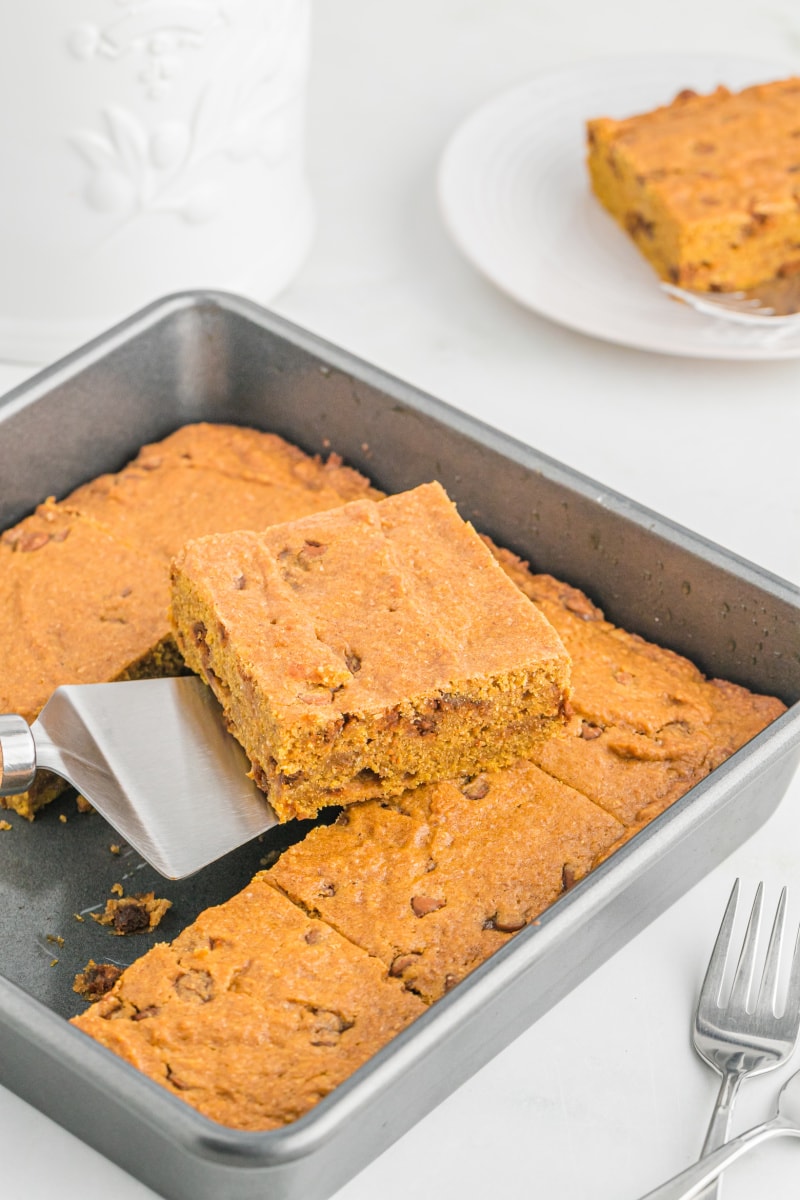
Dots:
{"x": 211, "y": 479}
{"x": 60, "y": 573}
{"x": 435, "y": 881}
{"x": 707, "y": 186}
{"x": 254, "y": 1012}
{"x": 367, "y": 650}
{"x": 646, "y": 724}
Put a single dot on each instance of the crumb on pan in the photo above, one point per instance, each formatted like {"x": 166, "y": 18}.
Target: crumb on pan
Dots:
{"x": 95, "y": 980}
{"x": 132, "y": 914}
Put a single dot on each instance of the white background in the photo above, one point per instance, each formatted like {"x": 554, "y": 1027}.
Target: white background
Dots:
{"x": 604, "y": 1096}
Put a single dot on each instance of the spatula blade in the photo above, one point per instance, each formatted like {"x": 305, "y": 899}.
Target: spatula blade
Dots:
{"x": 154, "y": 758}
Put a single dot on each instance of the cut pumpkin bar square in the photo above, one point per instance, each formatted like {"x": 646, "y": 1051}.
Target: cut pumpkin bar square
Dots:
{"x": 363, "y": 651}
{"x": 434, "y": 881}
{"x": 254, "y": 1012}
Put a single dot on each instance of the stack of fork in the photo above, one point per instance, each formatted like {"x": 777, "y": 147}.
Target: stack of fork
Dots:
{"x": 741, "y": 1036}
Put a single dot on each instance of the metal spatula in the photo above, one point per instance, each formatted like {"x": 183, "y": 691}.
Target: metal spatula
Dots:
{"x": 152, "y": 756}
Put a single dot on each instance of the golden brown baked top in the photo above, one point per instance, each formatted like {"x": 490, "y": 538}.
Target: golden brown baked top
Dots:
{"x": 361, "y": 607}
{"x": 646, "y": 724}
{"x": 76, "y": 606}
{"x": 721, "y": 153}
{"x": 213, "y": 478}
{"x": 254, "y": 1013}
{"x": 84, "y": 582}
{"x": 367, "y": 649}
{"x": 435, "y": 881}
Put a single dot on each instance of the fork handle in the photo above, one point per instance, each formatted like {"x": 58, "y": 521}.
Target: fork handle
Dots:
{"x": 691, "y": 1182}
{"x": 720, "y": 1123}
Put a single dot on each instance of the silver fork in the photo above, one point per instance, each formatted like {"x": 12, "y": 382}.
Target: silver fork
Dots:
{"x": 739, "y": 1038}
{"x": 773, "y": 304}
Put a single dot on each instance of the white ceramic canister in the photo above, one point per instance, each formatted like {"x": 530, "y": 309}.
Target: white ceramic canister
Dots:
{"x": 146, "y": 147}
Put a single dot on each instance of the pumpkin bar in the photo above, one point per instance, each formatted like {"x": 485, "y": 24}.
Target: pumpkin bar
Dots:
{"x": 707, "y": 186}
{"x": 254, "y": 1012}
{"x": 435, "y": 881}
{"x": 78, "y": 606}
{"x": 211, "y": 479}
{"x": 366, "y": 650}
{"x": 645, "y": 723}
{"x": 84, "y": 581}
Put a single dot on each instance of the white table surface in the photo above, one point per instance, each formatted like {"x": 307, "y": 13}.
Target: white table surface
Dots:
{"x": 603, "y": 1096}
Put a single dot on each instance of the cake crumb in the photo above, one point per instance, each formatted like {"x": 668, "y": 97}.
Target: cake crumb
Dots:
{"x": 95, "y": 980}
{"x": 53, "y": 962}
{"x": 114, "y": 848}
{"x": 5, "y": 825}
{"x": 62, "y": 818}
{"x": 117, "y": 889}
{"x": 132, "y": 914}
{"x": 56, "y": 939}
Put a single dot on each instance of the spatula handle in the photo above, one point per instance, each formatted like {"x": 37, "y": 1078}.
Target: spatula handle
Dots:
{"x": 17, "y": 755}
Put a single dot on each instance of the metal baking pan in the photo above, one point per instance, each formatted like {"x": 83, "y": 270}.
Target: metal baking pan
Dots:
{"x": 207, "y": 356}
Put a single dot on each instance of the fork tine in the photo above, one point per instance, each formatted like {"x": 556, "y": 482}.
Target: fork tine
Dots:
{"x": 768, "y": 992}
{"x": 743, "y": 979}
{"x": 712, "y": 984}
{"x": 790, "y": 1020}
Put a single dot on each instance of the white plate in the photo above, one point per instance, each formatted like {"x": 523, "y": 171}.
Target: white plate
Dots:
{"x": 514, "y": 193}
